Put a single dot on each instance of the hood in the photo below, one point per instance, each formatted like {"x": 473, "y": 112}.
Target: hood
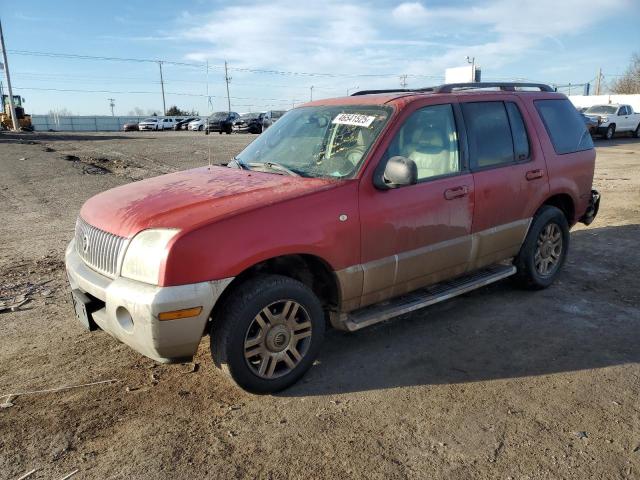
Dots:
{"x": 188, "y": 199}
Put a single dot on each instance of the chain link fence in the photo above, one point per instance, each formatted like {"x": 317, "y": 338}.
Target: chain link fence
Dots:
{"x": 81, "y": 123}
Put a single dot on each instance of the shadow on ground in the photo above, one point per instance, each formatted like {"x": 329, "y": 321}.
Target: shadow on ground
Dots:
{"x": 500, "y": 332}
{"x": 623, "y": 139}
{"x": 37, "y": 137}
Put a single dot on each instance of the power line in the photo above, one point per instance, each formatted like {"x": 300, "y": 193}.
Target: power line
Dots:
{"x": 74, "y": 90}
{"x": 202, "y": 64}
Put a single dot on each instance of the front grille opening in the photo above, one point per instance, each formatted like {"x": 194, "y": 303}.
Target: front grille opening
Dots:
{"x": 100, "y": 250}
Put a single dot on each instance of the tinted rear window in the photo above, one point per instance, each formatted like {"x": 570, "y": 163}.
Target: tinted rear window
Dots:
{"x": 489, "y": 134}
{"x": 566, "y": 129}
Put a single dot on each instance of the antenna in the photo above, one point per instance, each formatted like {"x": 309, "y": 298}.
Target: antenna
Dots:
{"x": 207, "y": 124}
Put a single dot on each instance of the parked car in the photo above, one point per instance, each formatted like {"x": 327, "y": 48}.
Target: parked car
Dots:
{"x": 271, "y": 117}
{"x": 249, "y": 123}
{"x": 184, "y": 123}
{"x": 353, "y": 209}
{"x": 615, "y": 118}
{"x": 130, "y": 126}
{"x": 167, "y": 123}
{"x": 151, "y": 123}
{"x": 221, "y": 122}
{"x": 197, "y": 124}
{"x": 591, "y": 123}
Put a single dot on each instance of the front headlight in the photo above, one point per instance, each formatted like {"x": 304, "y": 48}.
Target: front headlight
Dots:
{"x": 604, "y": 119}
{"x": 145, "y": 254}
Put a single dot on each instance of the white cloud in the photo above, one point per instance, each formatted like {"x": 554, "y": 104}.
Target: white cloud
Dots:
{"x": 351, "y": 37}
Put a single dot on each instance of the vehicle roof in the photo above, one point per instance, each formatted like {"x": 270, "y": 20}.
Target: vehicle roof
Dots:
{"x": 403, "y": 98}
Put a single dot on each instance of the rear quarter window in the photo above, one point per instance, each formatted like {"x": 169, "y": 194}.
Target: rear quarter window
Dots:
{"x": 566, "y": 129}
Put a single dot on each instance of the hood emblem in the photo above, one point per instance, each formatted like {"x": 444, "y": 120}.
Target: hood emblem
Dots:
{"x": 85, "y": 243}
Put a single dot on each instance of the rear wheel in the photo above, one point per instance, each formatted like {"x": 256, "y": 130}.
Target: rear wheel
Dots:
{"x": 544, "y": 250}
{"x": 268, "y": 333}
{"x": 611, "y": 131}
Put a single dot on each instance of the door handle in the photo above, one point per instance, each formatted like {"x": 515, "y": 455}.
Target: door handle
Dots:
{"x": 533, "y": 174}
{"x": 456, "y": 192}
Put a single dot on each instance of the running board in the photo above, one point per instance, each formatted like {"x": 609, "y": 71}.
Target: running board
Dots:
{"x": 424, "y": 297}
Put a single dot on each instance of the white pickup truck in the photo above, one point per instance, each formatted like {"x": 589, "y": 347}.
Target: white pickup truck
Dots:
{"x": 613, "y": 118}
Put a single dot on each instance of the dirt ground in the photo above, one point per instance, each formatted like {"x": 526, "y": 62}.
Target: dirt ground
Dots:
{"x": 498, "y": 383}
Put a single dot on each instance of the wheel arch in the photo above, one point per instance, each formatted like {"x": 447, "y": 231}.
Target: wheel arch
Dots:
{"x": 308, "y": 269}
{"x": 565, "y": 203}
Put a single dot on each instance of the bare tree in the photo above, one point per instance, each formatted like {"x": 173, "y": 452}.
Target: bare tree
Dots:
{"x": 630, "y": 81}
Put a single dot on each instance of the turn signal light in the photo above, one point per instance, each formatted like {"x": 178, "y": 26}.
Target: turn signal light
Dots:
{"x": 177, "y": 314}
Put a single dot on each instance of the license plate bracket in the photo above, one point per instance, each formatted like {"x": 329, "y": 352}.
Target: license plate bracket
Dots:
{"x": 81, "y": 306}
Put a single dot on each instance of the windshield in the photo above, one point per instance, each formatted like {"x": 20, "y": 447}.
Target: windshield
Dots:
{"x": 150, "y": 120}
{"x": 248, "y": 116}
{"x": 219, "y": 115}
{"x": 602, "y": 109}
{"x": 277, "y": 114}
{"x": 324, "y": 141}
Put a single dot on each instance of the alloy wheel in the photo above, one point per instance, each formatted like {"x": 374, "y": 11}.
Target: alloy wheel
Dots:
{"x": 549, "y": 250}
{"x": 277, "y": 339}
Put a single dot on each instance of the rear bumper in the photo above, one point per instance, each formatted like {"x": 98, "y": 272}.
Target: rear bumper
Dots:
{"x": 592, "y": 210}
{"x": 128, "y": 310}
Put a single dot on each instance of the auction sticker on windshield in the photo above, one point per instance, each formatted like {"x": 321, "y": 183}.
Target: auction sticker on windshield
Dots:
{"x": 354, "y": 119}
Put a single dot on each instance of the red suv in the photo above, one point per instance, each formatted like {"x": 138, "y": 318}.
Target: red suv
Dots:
{"x": 346, "y": 212}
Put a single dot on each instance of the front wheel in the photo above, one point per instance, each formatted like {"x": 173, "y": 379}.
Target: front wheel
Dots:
{"x": 268, "y": 333}
{"x": 200, "y": 128}
{"x": 636, "y": 132}
{"x": 544, "y": 249}
{"x": 611, "y": 131}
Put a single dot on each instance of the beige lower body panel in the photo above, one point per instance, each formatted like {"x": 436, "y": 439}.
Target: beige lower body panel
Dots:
{"x": 379, "y": 280}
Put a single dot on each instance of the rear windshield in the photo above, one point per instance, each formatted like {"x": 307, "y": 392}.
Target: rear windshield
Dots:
{"x": 566, "y": 129}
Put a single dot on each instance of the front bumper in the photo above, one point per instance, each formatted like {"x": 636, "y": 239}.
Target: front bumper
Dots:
{"x": 161, "y": 340}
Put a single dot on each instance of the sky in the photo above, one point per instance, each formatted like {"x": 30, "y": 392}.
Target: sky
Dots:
{"x": 278, "y": 50}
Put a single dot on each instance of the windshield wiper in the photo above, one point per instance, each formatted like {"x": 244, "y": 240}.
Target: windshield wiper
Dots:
{"x": 241, "y": 165}
{"x": 275, "y": 166}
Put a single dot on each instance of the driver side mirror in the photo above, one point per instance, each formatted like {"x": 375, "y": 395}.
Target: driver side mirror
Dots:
{"x": 398, "y": 172}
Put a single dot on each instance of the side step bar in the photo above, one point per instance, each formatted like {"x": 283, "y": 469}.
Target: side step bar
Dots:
{"x": 423, "y": 298}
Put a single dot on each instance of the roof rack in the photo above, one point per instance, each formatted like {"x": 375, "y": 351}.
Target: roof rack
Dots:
{"x": 449, "y": 87}
{"x": 507, "y": 86}
{"x": 373, "y": 92}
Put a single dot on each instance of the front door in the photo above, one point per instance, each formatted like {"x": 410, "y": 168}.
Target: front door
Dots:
{"x": 419, "y": 234}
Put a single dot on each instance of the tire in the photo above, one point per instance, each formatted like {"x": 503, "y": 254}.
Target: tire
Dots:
{"x": 611, "y": 131}
{"x": 200, "y": 128}
{"x": 636, "y": 132}
{"x": 242, "y": 320}
{"x": 548, "y": 224}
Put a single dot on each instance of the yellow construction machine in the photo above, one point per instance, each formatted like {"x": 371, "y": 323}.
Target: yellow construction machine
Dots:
{"x": 24, "y": 120}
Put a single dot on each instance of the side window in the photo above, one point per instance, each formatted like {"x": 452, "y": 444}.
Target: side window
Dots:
{"x": 429, "y": 138}
{"x": 520, "y": 139}
{"x": 564, "y": 125}
{"x": 488, "y": 133}
{"x": 623, "y": 110}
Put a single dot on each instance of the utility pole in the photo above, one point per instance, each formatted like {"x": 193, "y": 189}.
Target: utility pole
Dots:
{"x": 112, "y": 103}
{"x": 311, "y": 96}
{"x": 6, "y": 70}
{"x": 403, "y": 81}
{"x": 227, "y": 79}
{"x": 598, "y": 78}
{"x": 473, "y": 68}
{"x": 164, "y": 105}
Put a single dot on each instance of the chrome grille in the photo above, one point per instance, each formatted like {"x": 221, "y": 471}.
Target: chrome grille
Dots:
{"x": 100, "y": 250}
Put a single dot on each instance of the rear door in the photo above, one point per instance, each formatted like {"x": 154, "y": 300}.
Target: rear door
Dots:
{"x": 509, "y": 174}
{"x": 418, "y": 234}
